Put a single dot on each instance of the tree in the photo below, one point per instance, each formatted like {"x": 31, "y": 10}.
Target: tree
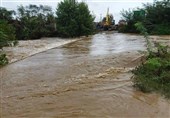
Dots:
{"x": 74, "y": 19}
{"x": 36, "y": 21}
{"x": 156, "y": 17}
{"x": 7, "y": 34}
{"x": 6, "y": 14}
{"x": 84, "y": 20}
{"x": 7, "y": 38}
{"x": 132, "y": 17}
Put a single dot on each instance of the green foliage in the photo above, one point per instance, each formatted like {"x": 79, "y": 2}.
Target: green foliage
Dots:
{"x": 156, "y": 20}
{"x": 7, "y": 34}
{"x": 161, "y": 29}
{"x": 122, "y": 28}
{"x": 74, "y": 19}
{"x": 158, "y": 15}
{"x": 154, "y": 74}
{"x": 35, "y": 22}
{"x": 153, "y": 64}
{"x": 140, "y": 27}
{"x": 3, "y": 60}
{"x": 131, "y": 19}
{"x": 7, "y": 38}
{"x": 6, "y": 14}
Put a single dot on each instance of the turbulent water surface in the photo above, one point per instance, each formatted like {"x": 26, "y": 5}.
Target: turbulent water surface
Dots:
{"x": 87, "y": 78}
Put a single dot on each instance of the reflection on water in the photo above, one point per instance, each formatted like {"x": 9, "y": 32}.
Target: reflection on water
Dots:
{"x": 115, "y": 43}
{"x": 106, "y": 44}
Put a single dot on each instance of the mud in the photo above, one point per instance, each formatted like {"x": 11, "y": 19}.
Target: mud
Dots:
{"x": 87, "y": 78}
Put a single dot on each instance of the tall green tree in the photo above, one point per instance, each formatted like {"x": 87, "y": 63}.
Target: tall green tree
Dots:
{"x": 36, "y": 21}
{"x": 157, "y": 17}
{"x": 84, "y": 20}
{"x": 74, "y": 19}
{"x": 6, "y": 14}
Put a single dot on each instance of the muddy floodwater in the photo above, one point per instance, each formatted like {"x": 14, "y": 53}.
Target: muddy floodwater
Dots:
{"x": 89, "y": 78}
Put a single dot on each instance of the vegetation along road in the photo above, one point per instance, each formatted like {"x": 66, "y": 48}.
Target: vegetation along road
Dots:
{"x": 87, "y": 78}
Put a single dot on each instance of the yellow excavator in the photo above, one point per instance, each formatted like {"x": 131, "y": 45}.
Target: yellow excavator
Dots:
{"x": 108, "y": 22}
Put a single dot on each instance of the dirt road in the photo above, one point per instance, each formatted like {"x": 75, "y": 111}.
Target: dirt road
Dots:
{"x": 89, "y": 78}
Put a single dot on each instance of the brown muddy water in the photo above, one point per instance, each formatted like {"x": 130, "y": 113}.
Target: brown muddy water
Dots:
{"x": 89, "y": 78}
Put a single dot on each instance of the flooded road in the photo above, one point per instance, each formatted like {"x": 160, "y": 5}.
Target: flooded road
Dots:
{"x": 87, "y": 78}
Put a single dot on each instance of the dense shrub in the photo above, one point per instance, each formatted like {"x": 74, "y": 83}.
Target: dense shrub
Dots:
{"x": 161, "y": 29}
{"x": 7, "y": 34}
{"x": 7, "y": 38}
{"x": 154, "y": 74}
{"x": 3, "y": 59}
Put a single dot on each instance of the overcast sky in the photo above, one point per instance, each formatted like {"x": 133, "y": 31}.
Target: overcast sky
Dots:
{"x": 98, "y": 7}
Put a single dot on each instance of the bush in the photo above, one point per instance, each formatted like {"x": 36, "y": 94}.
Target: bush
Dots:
{"x": 7, "y": 38}
{"x": 3, "y": 60}
{"x": 7, "y": 34}
{"x": 154, "y": 74}
{"x": 161, "y": 29}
